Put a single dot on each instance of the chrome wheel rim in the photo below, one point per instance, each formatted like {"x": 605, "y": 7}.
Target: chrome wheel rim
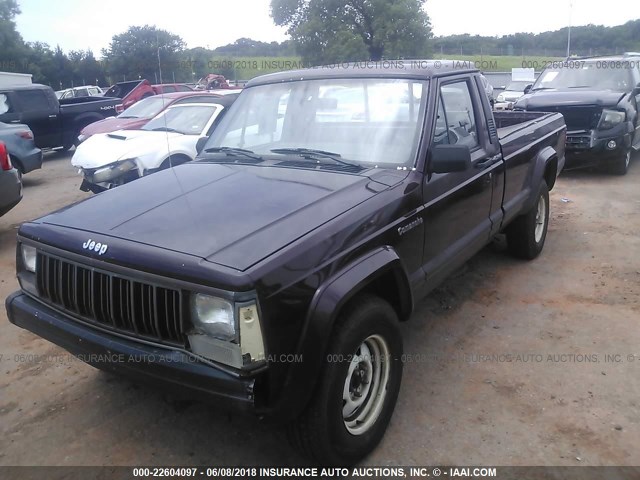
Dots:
{"x": 365, "y": 387}
{"x": 541, "y": 217}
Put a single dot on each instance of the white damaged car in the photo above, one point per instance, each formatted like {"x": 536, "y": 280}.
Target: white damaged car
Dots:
{"x": 110, "y": 159}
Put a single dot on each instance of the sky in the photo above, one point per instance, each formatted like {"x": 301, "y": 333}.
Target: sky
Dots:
{"x": 82, "y": 24}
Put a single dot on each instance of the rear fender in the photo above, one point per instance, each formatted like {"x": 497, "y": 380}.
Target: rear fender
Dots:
{"x": 545, "y": 168}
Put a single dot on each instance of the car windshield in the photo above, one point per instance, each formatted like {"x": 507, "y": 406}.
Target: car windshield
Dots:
{"x": 368, "y": 121}
{"x": 590, "y": 74}
{"x": 185, "y": 119}
{"x": 518, "y": 86}
{"x": 146, "y": 108}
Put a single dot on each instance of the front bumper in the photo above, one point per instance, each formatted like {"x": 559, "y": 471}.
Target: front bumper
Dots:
{"x": 587, "y": 148}
{"x": 155, "y": 365}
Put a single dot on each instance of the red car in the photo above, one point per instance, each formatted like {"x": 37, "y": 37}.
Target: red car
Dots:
{"x": 139, "y": 114}
{"x": 133, "y": 91}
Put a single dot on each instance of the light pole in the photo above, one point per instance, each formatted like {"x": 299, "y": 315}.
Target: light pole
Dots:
{"x": 569, "y": 34}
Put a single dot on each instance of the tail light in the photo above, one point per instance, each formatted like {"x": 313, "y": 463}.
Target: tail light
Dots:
{"x": 27, "y": 135}
{"x": 119, "y": 108}
{"x": 5, "y": 161}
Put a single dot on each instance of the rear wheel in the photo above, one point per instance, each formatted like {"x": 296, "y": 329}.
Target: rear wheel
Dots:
{"x": 358, "y": 387}
{"x": 620, "y": 166}
{"x": 527, "y": 233}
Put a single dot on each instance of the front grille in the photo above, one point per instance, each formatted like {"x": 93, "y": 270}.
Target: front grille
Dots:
{"x": 578, "y": 117}
{"x": 135, "y": 308}
{"x": 578, "y": 142}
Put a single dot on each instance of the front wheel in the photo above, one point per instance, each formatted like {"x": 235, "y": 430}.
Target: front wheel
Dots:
{"x": 357, "y": 391}
{"x": 527, "y": 233}
{"x": 620, "y": 166}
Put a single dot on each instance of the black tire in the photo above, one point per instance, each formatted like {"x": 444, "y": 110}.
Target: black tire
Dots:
{"x": 321, "y": 432}
{"x": 620, "y": 166}
{"x": 522, "y": 239}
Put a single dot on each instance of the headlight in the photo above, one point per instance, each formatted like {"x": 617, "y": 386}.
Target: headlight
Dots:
{"x": 225, "y": 331}
{"x": 29, "y": 255}
{"x": 610, "y": 118}
{"x": 214, "y": 316}
{"x": 114, "y": 170}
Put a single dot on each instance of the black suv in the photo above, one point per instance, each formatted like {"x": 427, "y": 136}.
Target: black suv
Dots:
{"x": 599, "y": 98}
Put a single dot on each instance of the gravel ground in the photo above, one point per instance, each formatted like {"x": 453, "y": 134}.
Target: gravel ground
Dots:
{"x": 508, "y": 363}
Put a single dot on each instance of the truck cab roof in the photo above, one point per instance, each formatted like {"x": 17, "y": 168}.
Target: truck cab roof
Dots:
{"x": 421, "y": 69}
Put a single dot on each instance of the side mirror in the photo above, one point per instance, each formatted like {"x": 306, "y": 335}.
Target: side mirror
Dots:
{"x": 450, "y": 158}
{"x": 200, "y": 144}
{"x": 527, "y": 89}
{"x": 636, "y": 90}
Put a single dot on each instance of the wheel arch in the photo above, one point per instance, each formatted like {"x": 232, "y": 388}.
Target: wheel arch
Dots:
{"x": 374, "y": 273}
{"x": 545, "y": 168}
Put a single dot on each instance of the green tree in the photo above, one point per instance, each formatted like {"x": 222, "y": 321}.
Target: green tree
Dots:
{"x": 143, "y": 52}
{"x": 327, "y": 31}
{"x": 12, "y": 47}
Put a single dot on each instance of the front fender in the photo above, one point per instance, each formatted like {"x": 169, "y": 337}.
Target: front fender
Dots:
{"x": 322, "y": 314}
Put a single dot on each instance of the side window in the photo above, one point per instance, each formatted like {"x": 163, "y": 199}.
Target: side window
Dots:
{"x": 183, "y": 88}
{"x": 5, "y": 105}
{"x": 168, "y": 89}
{"x": 32, "y": 100}
{"x": 459, "y": 114}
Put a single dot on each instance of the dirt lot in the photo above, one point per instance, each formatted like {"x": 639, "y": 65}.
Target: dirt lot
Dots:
{"x": 508, "y": 360}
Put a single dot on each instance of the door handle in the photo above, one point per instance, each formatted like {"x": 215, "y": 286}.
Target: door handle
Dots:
{"x": 53, "y": 116}
{"x": 488, "y": 162}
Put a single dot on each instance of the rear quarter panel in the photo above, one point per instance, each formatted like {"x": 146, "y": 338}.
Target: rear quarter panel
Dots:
{"x": 526, "y": 152}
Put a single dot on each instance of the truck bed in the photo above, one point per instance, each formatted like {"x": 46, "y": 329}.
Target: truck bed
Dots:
{"x": 517, "y": 130}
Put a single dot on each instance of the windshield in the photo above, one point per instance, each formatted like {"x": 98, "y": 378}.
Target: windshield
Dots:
{"x": 146, "y": 108}
{"x": 368, "y": 121}
{"x": 590, "y": 74}
{"x": 185, "y": 119}
{"x": 518, "y": 86}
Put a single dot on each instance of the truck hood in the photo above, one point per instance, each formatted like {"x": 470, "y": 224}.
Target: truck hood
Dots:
{"x": 112, "y": 124}
{"x": 232, "y": 215}
{"x": 106, "y": 148}
{"x": 567, "y": 97}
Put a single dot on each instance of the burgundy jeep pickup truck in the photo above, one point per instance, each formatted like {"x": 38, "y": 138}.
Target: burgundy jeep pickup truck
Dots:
{"x": 271, "y": 274}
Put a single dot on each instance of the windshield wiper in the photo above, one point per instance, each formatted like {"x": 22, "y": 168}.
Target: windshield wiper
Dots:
{"x": 234, "y": 151}
{"x": 128, "y": 116}
{"x": 580, "y": 86}
{"x": 541, "y": 88}
{"x": 311, "y": 153}
{"x": 166, "y": 129}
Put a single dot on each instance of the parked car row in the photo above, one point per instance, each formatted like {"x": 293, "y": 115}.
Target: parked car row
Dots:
{"x": 136, "y": 90}
{"x": 54, "y": 123}
{"x": 169, "y": 139}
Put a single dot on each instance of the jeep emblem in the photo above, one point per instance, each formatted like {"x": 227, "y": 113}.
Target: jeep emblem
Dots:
{"x": 92, "y": 246}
